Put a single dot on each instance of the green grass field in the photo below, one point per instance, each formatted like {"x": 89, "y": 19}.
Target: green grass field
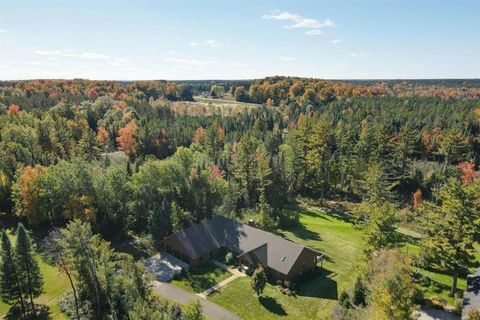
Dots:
{"x": 202, "y": 278}
{"x": 316, "y": 298}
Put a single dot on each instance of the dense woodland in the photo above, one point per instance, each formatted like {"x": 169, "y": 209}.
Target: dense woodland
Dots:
{"x": 117, "y": 157}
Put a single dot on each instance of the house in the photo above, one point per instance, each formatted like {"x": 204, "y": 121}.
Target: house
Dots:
{"x": 284, "y": 259}
{"x": 471, "y": 297}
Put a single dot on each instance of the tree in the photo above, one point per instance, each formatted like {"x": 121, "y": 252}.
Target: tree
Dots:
{"x": 245, "y": 167}
{"x": 241, "y": 94}
{"x": 453, "y": 144}
{"x": 467, "y": 169}
{"x": 318, "y": 156}
{"x": 160, "y": 222}
{"x": 381, "y": 231}
{"x": 391, "y": 286}
{"x": 417, "y": 199}
{"x": 359, "y": 294}
{"x": 13, "y": 109}
{"x": 451, "y": 227}
{"x": 126, "y": 138}
{"x": 259, "y": 280}
{"x": 375, "y": 185}
{"x": 27, "y": 266}
{"x": 10, "y": 286}
{"x": 194, "y": 311}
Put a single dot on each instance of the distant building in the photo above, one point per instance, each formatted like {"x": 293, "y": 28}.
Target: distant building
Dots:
{"x": 471, "y": 297}
{"x": 284, "y": 259}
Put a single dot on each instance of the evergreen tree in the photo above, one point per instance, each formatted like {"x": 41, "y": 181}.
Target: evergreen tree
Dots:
{"x": 10, "y": 289}
{"x": 452, "y": 227}
{"x": 359, "y": 294}
{"x": 28, "y": 269}
{"x": 160, "y": 222}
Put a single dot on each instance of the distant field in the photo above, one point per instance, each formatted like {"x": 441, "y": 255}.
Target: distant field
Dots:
{"x": 208, "y": 106}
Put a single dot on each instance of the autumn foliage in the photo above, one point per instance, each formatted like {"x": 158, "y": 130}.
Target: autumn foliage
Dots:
{"x": 28, "y": 189}
{"x": 13, "y": 109}
{"x": 126, "y": 138}
{"x": 467, "y": 169}
{"x": 417, "y": 199}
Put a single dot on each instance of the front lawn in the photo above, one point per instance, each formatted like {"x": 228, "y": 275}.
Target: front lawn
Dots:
{"x": 316, "y": 298}
{"x": 200, "y": 279}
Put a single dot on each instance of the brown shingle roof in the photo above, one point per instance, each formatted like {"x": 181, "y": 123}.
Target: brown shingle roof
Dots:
{"x": 220, "y": 231}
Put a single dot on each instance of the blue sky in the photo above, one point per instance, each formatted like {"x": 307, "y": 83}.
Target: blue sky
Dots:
{"x": 180, "y": 39}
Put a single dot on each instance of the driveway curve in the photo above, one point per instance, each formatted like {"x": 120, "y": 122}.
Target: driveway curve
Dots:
{"x": 211, "y": 310}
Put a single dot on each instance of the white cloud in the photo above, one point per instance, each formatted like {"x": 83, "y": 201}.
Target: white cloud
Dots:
{"x": 3, "y": 30}
{"x": 206, "y": 43}
{"x": 190, "y": 62}
{"x": 287, "y": 59}
{"x": 298, "y": 22}
{"x": 313, "y": 32}
{"x": 85, "y": 55}
{"x": 335, "y": 41}
{"x": 359, "y": 54}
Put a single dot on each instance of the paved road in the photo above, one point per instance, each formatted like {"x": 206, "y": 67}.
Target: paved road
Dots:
{"x": 427, "y": 313}
{"x": 211, "y": 310}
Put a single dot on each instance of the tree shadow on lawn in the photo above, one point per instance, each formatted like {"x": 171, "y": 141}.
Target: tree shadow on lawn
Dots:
{"x": 319, "y": 284}
{"x": 42, "y": 313}
{"x": 272, "y": 305}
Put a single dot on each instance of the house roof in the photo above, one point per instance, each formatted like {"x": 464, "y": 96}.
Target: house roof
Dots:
{"x": 220, "y": 231}
{"x": 471, "y": 297}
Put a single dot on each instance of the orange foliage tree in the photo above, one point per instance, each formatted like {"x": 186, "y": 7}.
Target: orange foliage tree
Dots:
{"x": 27, "y": 192}
{"x": 468, "y": 171}
{"x": 13, "y": 109}
{"x": 126, "y": 138}
{"x": 417, "y": 199}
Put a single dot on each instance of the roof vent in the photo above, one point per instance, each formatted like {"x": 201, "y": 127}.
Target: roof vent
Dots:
{"x": 284, "y": 257}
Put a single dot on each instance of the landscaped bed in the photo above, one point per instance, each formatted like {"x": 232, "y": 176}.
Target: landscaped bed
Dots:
{"x": 200, "y": 279}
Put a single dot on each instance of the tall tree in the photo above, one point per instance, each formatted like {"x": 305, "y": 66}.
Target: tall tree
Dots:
{"x": 10, "y": 285}
{"x": 451, "y": 227}
{"x": 27, "y": 265}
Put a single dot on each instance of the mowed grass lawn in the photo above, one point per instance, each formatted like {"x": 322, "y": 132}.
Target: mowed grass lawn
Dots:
{"x": 316, "y": 298}
{"x": 202, "y": 278}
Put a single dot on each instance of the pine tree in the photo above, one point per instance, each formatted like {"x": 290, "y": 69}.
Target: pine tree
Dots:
{"x": 28, "y": 269}
{"x": 10, "y": 290}
{"x": 452, "y": 226}
{"x": 160, "y": 222}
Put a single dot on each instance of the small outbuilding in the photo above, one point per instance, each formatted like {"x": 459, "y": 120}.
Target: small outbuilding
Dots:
{"x": 284, "y": 259}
